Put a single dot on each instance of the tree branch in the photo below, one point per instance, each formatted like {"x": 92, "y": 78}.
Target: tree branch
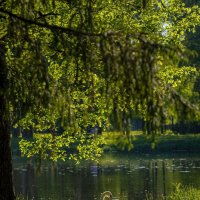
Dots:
{"x": 53, "y": 27}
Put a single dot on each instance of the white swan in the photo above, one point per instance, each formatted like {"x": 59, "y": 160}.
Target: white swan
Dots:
{"x": 107, "y": 195}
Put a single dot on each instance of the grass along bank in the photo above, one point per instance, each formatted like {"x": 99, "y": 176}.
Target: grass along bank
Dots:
{"x": 181, "y": 193}
{"x": 140, "y": 143}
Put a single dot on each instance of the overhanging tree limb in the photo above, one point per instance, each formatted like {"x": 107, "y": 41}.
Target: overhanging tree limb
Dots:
{"x": 55, "y": 27}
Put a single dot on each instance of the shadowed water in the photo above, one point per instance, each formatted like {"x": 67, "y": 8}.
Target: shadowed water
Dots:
{"x": 127, "y": 177}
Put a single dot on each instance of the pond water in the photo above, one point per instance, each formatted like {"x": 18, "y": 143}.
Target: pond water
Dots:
{"x": 128, "y": 177}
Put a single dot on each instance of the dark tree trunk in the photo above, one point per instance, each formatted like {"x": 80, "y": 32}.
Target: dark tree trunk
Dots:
{"x": 6, "y": 182}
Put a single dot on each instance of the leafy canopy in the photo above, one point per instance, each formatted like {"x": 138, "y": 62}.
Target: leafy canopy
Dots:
{"x": 80, "y": 61}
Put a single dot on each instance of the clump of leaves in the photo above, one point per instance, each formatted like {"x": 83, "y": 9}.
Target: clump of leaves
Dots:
{"x": 62, "y": 147}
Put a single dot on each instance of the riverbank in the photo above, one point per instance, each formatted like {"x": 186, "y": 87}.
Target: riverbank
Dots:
{"x": 139, "y": 143}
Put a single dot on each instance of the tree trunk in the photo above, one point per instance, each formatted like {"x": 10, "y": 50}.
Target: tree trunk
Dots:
{"x": 6, "y": 182}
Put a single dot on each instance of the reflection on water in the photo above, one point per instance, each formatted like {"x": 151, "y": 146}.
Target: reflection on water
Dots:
{"x": 128, "y": 178}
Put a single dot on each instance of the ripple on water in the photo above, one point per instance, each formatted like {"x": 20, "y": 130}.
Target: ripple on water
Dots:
{"x": 185, "y": 171}
{"x": 24, "y": 170}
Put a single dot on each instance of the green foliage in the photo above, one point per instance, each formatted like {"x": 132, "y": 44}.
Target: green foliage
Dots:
{"x": 46, "y": 146}
{"x": 81, "y": 61}
{"x": 177, "y": 80}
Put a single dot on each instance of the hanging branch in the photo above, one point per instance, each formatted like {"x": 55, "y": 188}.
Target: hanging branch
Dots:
{"x": 55, "y": 27}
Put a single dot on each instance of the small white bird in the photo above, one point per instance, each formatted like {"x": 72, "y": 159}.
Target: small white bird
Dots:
{"x": 107, "y": 195}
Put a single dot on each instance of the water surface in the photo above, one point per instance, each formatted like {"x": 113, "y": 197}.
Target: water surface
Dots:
{"x": 128, "y": 177}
